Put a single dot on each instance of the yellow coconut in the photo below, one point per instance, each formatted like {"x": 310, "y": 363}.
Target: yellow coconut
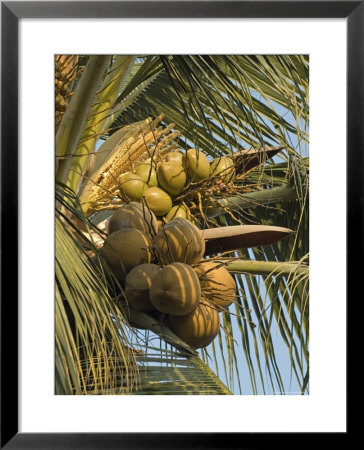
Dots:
{"x": 178, "y": 211}
{"x": 137, "y": 284}
{"x": 133, "y": 215}
{"x": 196, "y": 164}
{"x": 158, "y": 201}
{"x": 171, "y": 177}
{"x": 147, "y": 174}
{"x": 175, "y": 289}
{"x": 132, "y": 186}
{"x": 127, "y": 248}
{"x": 223, "y": 167}
{"x": 175, "y": 156}
{"x": 179, "y": 241}
{"x": 217, "y": 284}
{"x": 198, "y": 328}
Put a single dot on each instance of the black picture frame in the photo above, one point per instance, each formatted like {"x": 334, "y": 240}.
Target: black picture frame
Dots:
{"x": 11, "y": 12}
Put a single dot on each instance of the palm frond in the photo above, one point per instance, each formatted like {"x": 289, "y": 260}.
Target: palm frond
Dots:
{"x": 223, "y": 102}
{"x": 168, "y": 372}
{"x": 75, "y": 117}
{"x": 89, "y": 324}
{"x": 275, "y": 300}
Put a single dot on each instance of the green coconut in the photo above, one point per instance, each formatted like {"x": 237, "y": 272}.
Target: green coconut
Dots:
{"x": 132, "y": 186}
{"x": 196, "y": 164}
{"x": 126, "y": 248}
{"x": 198, "y": 328}
{"x": 171, "y": 177}
{"x": 133, "y": 215}
{"x": 175, "y": 156}
{"x": 178, "y": 211}
{"x": 217, "y": 285}
{"x": 224, "y": 168}
{"x": 175, "y": 289}
{"x": 147, "y": 173}
{"x": 137, "y": 284}
{"x": 179, "y": 241}
{"x": 158, "y": 201}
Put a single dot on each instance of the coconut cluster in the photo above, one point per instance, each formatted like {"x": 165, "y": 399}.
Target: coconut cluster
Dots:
{"x": 160, "y": 184}
{"x": 162, "y": 272}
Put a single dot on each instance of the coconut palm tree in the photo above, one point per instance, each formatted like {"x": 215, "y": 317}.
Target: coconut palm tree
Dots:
{"x": 113, "y": 112}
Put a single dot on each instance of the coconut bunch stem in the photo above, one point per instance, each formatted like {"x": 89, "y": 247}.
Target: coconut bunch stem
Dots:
{"x": 207, "y": 193}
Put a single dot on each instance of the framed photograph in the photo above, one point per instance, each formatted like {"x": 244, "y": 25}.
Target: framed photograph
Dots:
{"x": 204, "y": 163}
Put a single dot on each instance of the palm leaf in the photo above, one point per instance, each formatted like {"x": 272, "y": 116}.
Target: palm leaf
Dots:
{"x": 278, "y": 300}
{"x": 74, "y": 119}
{"x": 86, "y": 317}
{"x": 167, "y": 372}
{"x": 191, "y": 89}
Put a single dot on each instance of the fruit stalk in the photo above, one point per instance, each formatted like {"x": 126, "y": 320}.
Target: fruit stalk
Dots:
{"x": 267, "y": 268}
